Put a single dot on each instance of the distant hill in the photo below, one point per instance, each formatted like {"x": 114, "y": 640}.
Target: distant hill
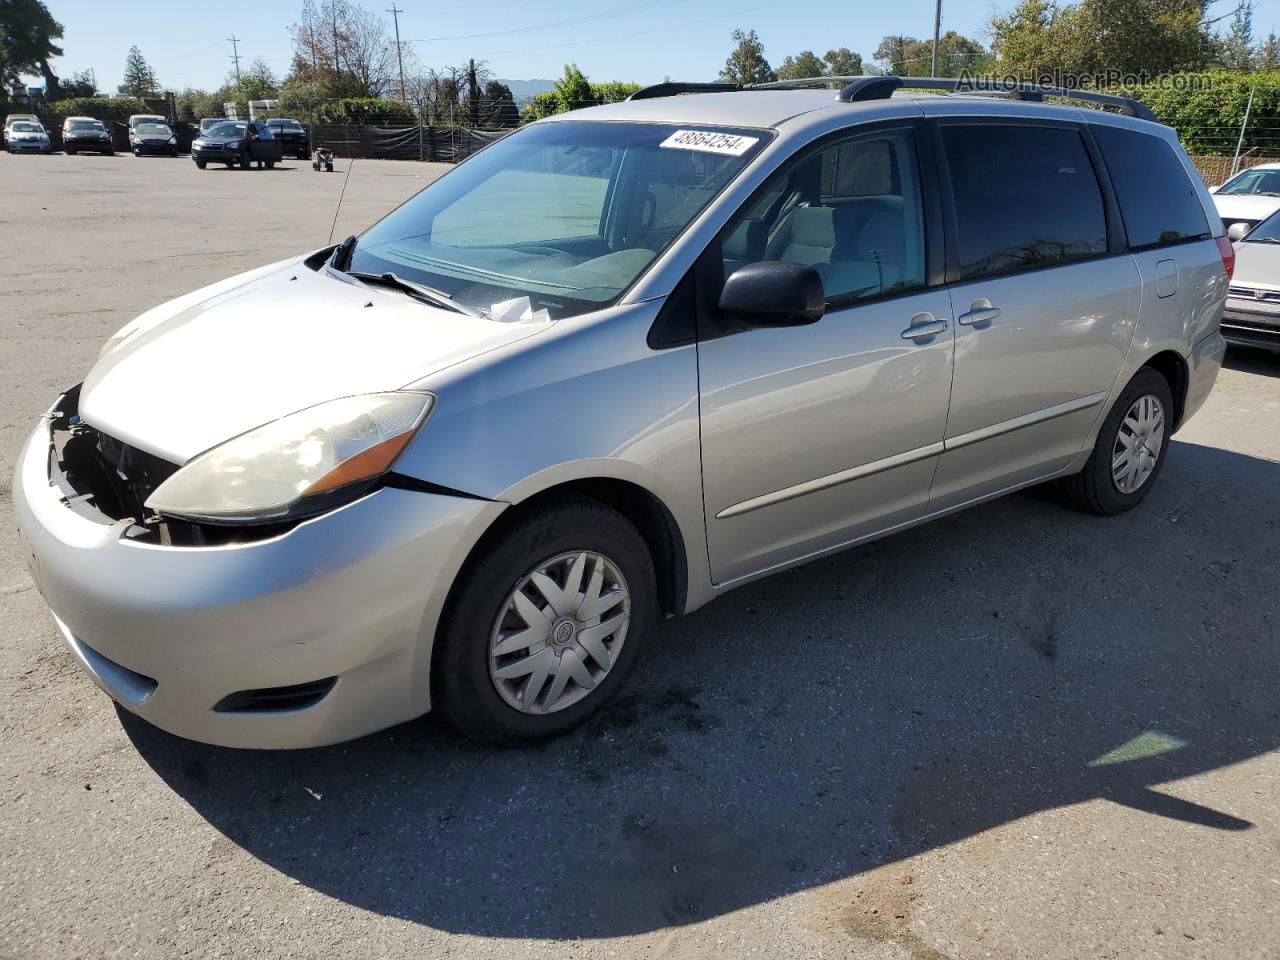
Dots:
{"x": 528, "y": 88}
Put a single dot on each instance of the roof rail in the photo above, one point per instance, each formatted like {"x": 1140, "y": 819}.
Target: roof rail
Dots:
{"x": 881, "y": 88}
{"x": 671, "y": 88}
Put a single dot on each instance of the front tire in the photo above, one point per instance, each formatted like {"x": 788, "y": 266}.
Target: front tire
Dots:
{"x": 201, "y": 164}
{"x": 545, "y": 624}
{"x": 1130, "y": 451}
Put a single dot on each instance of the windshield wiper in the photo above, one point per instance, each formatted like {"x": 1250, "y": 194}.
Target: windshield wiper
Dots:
{"x": 419, "y": 291}
{"x": 1262, "y": 239}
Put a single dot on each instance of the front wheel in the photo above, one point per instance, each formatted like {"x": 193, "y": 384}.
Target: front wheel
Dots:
{"x": 1130, "y": 451}
{"x": 201, "y": 164}
{"x": 545, "y": 623}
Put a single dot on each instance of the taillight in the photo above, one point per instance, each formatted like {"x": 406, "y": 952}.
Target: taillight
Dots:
{"x": 1228, "y": 255}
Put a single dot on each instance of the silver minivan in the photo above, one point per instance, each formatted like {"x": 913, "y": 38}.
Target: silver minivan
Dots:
{"x": 610, "y": 367}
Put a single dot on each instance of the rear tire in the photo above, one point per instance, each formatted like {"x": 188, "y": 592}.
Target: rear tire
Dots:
{"x": 1122, "y": 468}
{"x": 482, "y": 614}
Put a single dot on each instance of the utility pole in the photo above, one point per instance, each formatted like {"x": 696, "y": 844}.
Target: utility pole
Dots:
{"x": 937, "y": 29}
{"x": 235, "y": 55}
{"x": 395, "y": 16}
{"x": 337, "y": 61}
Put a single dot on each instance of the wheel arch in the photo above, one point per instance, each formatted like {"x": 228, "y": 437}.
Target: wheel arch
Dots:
{"x": 1173, "y": 367}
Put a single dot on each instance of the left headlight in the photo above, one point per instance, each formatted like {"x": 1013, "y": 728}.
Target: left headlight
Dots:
{"x": 296, "y": 464}
{"x": 173, "y": 140}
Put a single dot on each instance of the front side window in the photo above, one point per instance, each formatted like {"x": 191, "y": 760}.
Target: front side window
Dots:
{"x": 566, "y": 214}
{"x": 852, "y": 211}
{"x": 1025, "y": 197}
{"x": 1159, "y": 202}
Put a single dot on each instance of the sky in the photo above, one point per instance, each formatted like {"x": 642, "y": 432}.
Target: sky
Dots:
{"x": 641, "y": 41}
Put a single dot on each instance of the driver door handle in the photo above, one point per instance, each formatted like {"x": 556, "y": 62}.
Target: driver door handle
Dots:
{"x": 980, "y": 311}
{"x": 924, "y": 325}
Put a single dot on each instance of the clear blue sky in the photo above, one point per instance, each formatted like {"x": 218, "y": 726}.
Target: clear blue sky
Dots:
{"x": 631, "y": 40}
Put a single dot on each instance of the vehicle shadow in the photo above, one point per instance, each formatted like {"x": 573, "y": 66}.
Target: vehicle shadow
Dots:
{"x": 1252, "y": 360}
{"x": 1011, "y": 659}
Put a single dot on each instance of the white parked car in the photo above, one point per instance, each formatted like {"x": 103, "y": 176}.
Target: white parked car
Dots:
{"x": 1249, "y": 197}
{"x": 28, "y": 136}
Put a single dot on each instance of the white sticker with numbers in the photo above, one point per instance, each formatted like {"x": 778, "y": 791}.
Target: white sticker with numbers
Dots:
{"x": 709, "y": 141}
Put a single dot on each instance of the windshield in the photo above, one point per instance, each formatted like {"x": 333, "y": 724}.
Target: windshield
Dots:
{"x": 1268, "y": 231}
{"x": 84, "y": 125}
{"x": 567, "y": 214}
{"x": 291, "y": 126}
{"x": 1259, "y": 182}
{"x": 25, "y": 127}
{"x": 227, "y": 130}
{"x": 156, "y": 129}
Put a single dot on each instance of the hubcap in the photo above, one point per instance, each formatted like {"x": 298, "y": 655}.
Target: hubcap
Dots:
{"x": 559, "y": 632}
{"x": 1138, "y": 445}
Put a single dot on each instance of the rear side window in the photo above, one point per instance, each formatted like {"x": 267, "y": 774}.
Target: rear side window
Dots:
{"x": 1158, "y": 200}
{"x": 1025, "y": 197}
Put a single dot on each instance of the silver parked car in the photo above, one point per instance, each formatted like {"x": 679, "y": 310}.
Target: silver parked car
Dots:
{"x": 1252, "y": 315}
{"x": 610, "y": 367}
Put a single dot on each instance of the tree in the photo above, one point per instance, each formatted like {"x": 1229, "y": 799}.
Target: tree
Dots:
{"x": 27, "y": 35}
{"x": 908, "y": 57}
{"x": 843, "y": 63}
{"x": 746, "y": 63}
{"x": 1267, "y": 56}
{"x": 340, "y": 50}
{"x": 802, "y": 65}
{"x": 139, "y": 79}
{"x": 80, "y": 85}
{"x": 1236, "y": 51}
{"x": 573, "y": 90}
{"x": 256, "y": 83}
{"x": 499, "y": 106}
{"x": 615, "y": 91}
{"x": 1143, "y": 38}
{"x": 475, "y": 76}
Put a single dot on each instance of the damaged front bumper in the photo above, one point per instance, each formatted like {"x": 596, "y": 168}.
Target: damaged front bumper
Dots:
{"x": 311, "y": 636}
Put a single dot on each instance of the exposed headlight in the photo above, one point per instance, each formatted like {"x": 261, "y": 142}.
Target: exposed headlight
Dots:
{"x": 280, "y": 468}
{"x": 173, "y": 140}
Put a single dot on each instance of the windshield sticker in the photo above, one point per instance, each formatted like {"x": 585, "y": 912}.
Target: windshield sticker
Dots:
{"x": 708, "y": 141}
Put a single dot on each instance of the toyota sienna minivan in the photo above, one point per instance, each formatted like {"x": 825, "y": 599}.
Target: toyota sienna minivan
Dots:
{"x": 610, "y": 367}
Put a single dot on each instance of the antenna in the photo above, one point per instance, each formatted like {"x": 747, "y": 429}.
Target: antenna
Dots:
{"x": 347, "y": 176}
{"x": 235, "y": 54}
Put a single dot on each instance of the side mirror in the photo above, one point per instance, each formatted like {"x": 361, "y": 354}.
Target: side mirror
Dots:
{"x": 1236, "y": 232}
{"x": 773, "y": 294}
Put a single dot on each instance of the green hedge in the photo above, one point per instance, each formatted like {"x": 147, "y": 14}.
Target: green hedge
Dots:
{"x": 1207, "y": 109}
{"x": 106, "y": 109}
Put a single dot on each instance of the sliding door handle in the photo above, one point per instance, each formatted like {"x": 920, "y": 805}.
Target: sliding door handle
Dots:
{"x": 924, "y": 325}
{"x": 980, "y": 311}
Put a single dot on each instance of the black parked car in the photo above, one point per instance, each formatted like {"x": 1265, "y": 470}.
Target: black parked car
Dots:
{"x": 293, "y": 137}
{"x": 237, "y": 142}
{"x": 85, "y": 134}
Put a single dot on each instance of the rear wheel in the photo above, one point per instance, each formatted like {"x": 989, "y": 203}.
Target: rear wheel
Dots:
{"x": 1130, "y": 450}
{"x": 545, "y": 625}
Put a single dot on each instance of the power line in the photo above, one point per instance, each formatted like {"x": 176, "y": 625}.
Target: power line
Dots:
{"x": 235, "y": 54}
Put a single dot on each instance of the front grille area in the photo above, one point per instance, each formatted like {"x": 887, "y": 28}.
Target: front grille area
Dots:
{"x": 107, "y": 480}
{"x": 1254, "y": 293}
{"x": 99, "y": 473}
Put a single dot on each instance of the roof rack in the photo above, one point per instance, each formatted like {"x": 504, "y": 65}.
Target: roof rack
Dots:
{"x": 862, "y": 88}
{"x": 880, "y": 88}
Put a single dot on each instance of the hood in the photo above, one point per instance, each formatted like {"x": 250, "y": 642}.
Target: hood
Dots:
{"x": 209, "y": 366}
{"x": 1257, "y": 266}
{"x": 1245, "y": 206}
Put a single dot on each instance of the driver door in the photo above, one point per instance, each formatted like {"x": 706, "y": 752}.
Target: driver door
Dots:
{"x": 814, "y": 436}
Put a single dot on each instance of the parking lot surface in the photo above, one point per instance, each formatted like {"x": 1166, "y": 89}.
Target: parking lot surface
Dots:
{"x": 1016, "y": 732}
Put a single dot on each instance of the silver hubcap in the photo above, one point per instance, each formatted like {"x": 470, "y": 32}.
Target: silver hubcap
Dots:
{"x": 1138, "y": 444}
{"x": 559, "y": 632}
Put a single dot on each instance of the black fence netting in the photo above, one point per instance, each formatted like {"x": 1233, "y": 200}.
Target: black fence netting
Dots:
{"x": 402, "y": 142}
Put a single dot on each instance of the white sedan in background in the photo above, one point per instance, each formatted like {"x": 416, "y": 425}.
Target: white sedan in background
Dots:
{"x": 1249, "y": 197}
